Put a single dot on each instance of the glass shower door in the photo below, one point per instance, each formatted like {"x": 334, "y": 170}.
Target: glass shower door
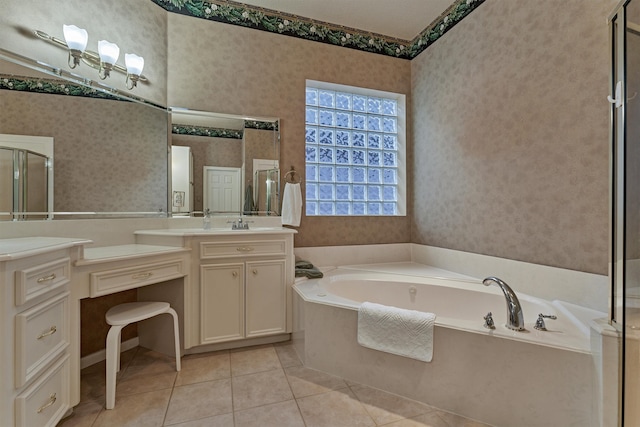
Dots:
{"x": 24, "y": 185}
{"x": 625, "y": 203}
{"x": 36, "y": 186}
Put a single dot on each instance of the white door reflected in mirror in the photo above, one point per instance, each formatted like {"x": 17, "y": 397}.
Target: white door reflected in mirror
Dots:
{"x": 222, "y": 188}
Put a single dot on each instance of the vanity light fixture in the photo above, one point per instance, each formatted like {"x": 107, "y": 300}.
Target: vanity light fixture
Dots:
{"x": 105, "y": 60}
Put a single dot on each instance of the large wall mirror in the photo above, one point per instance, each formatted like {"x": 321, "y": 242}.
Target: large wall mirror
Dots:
{"x": 109, "y": 155}
{"x": 224, "y": 164}
{"x": 106, "y": 152}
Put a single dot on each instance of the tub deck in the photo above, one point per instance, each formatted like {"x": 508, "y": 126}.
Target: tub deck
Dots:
{"x": 461, "y": 302}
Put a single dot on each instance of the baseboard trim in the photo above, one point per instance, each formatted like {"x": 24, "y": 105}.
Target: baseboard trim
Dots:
{"x": 101, "y": 355}
{"x": 229, "y": 345}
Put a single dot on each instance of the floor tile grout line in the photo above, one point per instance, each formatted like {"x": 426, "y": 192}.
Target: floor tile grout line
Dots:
{"x": 233, "y": 403}
{"x": 361, "y": 403}
{"x": 173, "y": 387}
{"x": 300, "y": 412}
{"x": 295, "y": 399}
{"x": 233, "y": 412}
{"x": 256, "y": 372}
{"x": 430, "y": 409}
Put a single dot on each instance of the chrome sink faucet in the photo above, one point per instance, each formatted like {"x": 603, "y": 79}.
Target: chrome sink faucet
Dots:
{"x": 515, "y": 318}
{"x": 240, "y": 225}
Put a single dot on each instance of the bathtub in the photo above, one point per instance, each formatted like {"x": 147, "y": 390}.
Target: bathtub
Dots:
{"x": 500, "y": 377}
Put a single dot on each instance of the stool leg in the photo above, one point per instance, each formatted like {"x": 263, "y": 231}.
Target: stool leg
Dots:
{"x": 119, "y": 342}
{"x": 176, "y": 333}
{"x": 113, "y": 345}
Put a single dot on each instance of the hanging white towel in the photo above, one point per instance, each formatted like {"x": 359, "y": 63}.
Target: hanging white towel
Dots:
{"x": 407, "y": 333}
{"x": 291, "y": 204}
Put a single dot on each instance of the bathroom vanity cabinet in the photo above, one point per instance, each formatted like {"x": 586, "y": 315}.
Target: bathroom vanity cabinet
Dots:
{"x": 230, "y": 289}
{"x": 241, "y": 284}
{"x": 35, "y": 277}
{"x": 242, "y": 290}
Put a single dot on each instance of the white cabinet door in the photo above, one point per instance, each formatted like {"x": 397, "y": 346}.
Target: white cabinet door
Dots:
{"x": 266, "y": 299}
{"x": 221, "y": 302}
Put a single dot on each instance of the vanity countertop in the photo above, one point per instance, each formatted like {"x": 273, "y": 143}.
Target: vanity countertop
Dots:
{"x": 125, "y": 252}
{"x": 216, "y": 231}
{"x": 21, "y": 247}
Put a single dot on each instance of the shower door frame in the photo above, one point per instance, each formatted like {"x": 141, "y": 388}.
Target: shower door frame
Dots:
{"x": 22, "y": 146}
{"x": 621, "y": 226}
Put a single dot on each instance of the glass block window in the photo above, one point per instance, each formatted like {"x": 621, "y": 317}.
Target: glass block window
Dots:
{"x": 355, "y": 145}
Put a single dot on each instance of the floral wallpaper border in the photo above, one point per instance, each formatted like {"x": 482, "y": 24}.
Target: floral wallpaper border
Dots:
{"x": 212, "y": 132}
{"x": 234, "y": 13}
{"x": 50, "y": 86}
{"x": 206, "y": 131}
{"x": 260, "y": 125}
{"x": 65, "y": 87}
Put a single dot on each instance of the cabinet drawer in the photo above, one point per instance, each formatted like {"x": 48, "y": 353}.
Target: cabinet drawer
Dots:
{"x": 111, "y": 281}
{"x": 210, "y": 250}
{"x": 42, "y": 334}
{"x": 40, "y": 279}
{"x": 46, "y": 401}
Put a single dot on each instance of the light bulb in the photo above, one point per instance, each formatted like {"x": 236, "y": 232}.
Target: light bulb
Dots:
{"x": 109, "y": 52}
{"x": 134, "y": 63}
{"x": 75, "y": 37}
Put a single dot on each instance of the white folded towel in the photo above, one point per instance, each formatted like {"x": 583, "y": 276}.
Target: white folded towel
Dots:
{"x": 407, "y": 333}
{"x": 291, "y": 204}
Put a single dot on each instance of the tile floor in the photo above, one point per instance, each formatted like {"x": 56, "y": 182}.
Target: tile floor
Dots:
{"x": 264, "y": 386}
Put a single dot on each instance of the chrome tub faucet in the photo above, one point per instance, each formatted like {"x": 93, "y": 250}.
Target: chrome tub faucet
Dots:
{"x": 515, "y": 318}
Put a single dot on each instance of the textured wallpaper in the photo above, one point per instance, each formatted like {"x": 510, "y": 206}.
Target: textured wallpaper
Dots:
{"x": 244, "y": 71}
{"x": 511, "y": 134}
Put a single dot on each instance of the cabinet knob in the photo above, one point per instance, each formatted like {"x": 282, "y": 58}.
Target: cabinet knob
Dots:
{"x": 255, "y": 271}
{"x": 234, "y": 274}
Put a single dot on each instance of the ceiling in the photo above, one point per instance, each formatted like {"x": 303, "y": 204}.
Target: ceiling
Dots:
{"x": 403, "y": 19}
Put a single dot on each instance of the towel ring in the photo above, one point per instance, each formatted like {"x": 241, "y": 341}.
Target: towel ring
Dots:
{"x": 291, "y": 175}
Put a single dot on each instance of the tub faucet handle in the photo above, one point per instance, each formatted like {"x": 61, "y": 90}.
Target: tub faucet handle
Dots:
{"x": 540, "y": 325}
{"x": 488, "y": 321}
